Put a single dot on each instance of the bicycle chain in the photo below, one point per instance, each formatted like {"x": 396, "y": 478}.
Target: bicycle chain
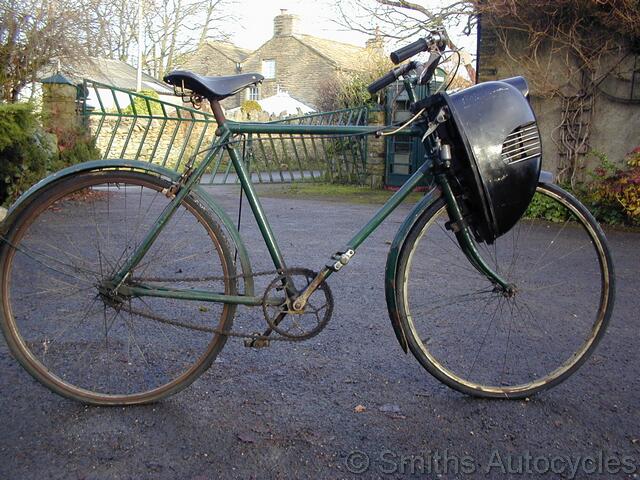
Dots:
{"x": 214, "y": 278}
{"x": 229, "y": 333}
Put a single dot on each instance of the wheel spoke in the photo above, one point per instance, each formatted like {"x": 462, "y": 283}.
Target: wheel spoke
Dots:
{"x": 82, "y": 336}
{"x": 488, "y": 342}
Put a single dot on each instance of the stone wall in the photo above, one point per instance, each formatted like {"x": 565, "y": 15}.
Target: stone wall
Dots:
{"x": 148, "y": 140}
{"x": 614, "y": 124}
{"x": 59, "y": 106}
{"x": 376, "y": 154}
{"x": 275, "y": 156}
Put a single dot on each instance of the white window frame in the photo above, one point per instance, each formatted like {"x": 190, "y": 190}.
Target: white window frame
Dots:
{"x": 253, "y": 93}
{"x": 269, "y": 69}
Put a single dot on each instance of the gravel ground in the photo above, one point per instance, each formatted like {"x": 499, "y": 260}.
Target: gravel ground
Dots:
{"x": 288, "y": 411}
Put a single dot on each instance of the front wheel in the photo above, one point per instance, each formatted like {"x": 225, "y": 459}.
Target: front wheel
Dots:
{"x": 104, "y": 349}
{"x": 485, "y": 342}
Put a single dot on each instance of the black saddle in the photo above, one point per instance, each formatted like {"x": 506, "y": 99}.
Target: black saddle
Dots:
{"x": 212, "y": 88}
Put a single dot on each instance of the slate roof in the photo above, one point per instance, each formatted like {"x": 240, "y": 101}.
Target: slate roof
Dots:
{"x": 115, "y": 73}
{"x": 342, "y": 55}
{"x": 229, "y": 50}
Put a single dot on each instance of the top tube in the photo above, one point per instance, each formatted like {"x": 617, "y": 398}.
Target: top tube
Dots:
{"x": 246, "y": 127}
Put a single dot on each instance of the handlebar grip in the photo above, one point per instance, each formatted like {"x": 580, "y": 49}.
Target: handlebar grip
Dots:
{"x": 391, "y": 77}
{"x": 409, "y": 51}
{"x": 382, "y": 82}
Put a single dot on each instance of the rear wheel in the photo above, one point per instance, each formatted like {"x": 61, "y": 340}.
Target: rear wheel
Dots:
{"x": 482, "y": 341}
{"x": 109, "y": 351}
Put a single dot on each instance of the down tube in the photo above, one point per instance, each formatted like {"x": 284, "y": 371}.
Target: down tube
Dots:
{"x": 389, "y": 206}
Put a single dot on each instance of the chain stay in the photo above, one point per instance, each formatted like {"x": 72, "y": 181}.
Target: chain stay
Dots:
{"x": 177, "y": 323}
{"x": 219, "y": 331}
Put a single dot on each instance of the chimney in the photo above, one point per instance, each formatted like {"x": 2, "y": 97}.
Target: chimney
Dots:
{"x": 285, "y": 24}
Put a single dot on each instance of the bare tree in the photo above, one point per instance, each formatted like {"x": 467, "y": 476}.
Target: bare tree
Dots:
{"x": 216, "y": 15}
{"x": 32, "y": 32}
{"x": 402, "y": 20}
{"x": 171, "y": 29}
{"x": 174, "y": 28}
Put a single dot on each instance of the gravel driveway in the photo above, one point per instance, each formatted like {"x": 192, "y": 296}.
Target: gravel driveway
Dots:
{"x": 289, "y": 411}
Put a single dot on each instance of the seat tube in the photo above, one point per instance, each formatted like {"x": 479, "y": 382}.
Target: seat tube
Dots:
{"x": 252, "y": 197}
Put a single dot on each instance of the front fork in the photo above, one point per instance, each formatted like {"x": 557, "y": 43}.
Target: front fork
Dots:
{"x": 459, "y": 225}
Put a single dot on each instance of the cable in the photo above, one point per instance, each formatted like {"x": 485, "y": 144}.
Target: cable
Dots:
{"x": 244, "y": 152}
{"x": 455, "y": 72}
{"x": 407, "y": 123}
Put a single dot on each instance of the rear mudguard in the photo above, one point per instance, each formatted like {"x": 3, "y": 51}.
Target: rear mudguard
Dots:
{"x": 120, "y": 164}
{"x": 393, "y": 258}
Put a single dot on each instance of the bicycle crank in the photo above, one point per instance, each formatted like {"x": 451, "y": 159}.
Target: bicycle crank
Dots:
{"x": 297, "y": 323}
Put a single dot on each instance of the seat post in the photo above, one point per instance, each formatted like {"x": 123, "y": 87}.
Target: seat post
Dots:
{"x": 217, "y": 112}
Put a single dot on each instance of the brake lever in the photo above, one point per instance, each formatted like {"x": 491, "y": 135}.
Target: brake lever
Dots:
{"x": 428, "y": 68}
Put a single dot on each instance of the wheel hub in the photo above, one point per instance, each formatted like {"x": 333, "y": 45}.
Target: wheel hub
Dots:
{"x": 509, "y": 291}
{"x": 109, "y": 294}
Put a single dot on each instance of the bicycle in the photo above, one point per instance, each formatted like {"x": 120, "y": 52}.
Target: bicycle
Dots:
{"x": 120, "y": 284}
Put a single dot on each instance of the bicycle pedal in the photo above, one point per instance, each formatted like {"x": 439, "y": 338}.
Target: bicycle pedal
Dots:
{"x": 257, "y": 342}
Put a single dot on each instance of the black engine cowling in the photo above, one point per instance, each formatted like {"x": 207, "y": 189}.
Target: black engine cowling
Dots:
{"x": 497, "y": 152}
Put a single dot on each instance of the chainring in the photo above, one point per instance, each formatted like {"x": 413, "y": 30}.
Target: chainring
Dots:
{"x": 281, "y": 317}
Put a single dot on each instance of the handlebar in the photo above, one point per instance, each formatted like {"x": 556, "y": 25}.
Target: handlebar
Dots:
{"x": 408, "y": 51}
{"x": 391, "y": 77}
{"x": 435, "y": 42}
{"x": 436, "y": 38}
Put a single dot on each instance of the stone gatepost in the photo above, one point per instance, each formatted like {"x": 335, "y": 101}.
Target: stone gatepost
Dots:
{"x": 59, "y": 113}
{"x": 376, "y": 153}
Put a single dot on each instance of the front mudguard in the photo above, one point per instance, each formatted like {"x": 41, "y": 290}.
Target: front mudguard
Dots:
{"x": 393, "y": 258}
{"x": 120, "y": 164}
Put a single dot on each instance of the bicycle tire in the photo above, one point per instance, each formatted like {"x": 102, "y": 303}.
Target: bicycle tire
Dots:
{"x": 51, "y": 242}
{"x": 440, "y": 338}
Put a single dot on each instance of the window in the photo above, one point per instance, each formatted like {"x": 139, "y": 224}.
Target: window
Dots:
{"x": 253, "y": 93}
{"x": 269, "y": 69}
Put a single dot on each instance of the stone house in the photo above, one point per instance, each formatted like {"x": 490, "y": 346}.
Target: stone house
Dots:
{"x": 574, "y": 124}
{"x": 290, "y": 61}
{"x": 217, "y": 58}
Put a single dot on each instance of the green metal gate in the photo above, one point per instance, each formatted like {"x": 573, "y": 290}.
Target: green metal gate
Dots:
{"x": 134, "y": 126}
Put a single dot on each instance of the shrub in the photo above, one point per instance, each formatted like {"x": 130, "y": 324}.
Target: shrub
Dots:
{"x": 250, "y": 106}
{"x": 546, "y": 208}
{"x": 25, "y": 150}
{"x": 28, "y": 153}
{"x": 141, "y": 107}
{"x": 75, "y": 145}
{"x": 349, "y": 89}
{"x": 615, "y": 192}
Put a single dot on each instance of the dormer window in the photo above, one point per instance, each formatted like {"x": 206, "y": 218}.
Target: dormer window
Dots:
{"x": 269, "y": 69}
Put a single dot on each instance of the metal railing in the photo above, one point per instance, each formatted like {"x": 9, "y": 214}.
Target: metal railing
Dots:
{"x": 137, "y": 126}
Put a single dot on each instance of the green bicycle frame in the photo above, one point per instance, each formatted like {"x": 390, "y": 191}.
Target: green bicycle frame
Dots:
{"x": 226, "y": 132}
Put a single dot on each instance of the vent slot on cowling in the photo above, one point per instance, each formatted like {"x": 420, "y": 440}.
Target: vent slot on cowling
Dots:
{"x": 522, "y": 144}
